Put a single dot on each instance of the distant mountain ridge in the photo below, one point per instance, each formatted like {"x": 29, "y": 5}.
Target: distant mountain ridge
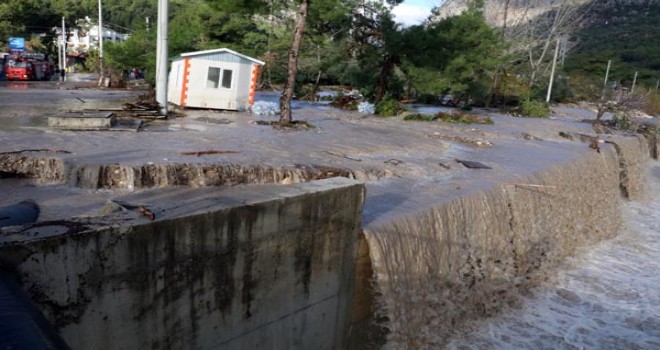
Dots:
{"x": 518, "y": 10}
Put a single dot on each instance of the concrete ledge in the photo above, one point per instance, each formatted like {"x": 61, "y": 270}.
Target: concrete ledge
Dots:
{"x": 269, "y": 266}
{"x": 82, "y": 121}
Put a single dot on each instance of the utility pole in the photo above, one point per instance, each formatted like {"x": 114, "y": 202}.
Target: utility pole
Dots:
{"x": 607, "y": 73}
{"x": 161, "y": 63}
{"x": 632, "y": 89}
{"x": 552, "y": 74}
{"x": 59, "y": 53}
{"x": 657, "y": 84}
{"x": 147, "y": 19}
{"x": 101, "y": 68}
{"x": 562, "y": 50}
{"x": 63, "y": 46}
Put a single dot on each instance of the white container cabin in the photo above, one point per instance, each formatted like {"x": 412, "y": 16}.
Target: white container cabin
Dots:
{"x": 216, "y": 79}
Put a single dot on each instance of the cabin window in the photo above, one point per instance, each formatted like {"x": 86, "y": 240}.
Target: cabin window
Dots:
{"x": 219, "y": 78}
{"x": 213, "y": 78}
{"x": 226, "y": 78}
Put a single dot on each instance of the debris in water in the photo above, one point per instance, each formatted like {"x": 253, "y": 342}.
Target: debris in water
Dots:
{"x": 472, "y": 164}
{"x": 566, "y": 135}
{"x": 594, "y": 145}
{"x": 394, "y": 162}
{"x": 141, "y": 208}
{"x": 296, "y": 124}
{"x": 21, "y": 213}
{"x": 462, "y": 139}
{"x": 37, "y": 150}
{"x": 532, "y": 185}
{"x": 343, "y": 156}
{"x": 110, "y": 208}
{"x": 207, "y": 152}
{"x": 142, "y": 106}
{"x": 531, "y": 137}
{"x": 148, "y": 213}
{"x": 265, "y": 108}
{"x": 443, "y": 165}
{"x": 366, "y": 108}
{"x": 80, "y": 99}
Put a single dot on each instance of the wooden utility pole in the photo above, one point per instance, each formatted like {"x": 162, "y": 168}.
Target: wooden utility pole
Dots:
{"x": 552, "y": 74}
{"x": 632, "y": 89}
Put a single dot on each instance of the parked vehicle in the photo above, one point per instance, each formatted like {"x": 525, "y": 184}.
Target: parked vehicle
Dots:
{"x": 28, "y": 66}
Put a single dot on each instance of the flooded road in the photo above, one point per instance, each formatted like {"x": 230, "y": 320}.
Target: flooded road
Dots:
{"x": 604, "y": 298}
{"x": 28, "y": 104}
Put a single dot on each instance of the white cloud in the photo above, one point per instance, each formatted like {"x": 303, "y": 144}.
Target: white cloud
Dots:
{"x": 409, "y": 15}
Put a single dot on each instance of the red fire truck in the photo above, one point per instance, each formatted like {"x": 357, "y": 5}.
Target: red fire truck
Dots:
{"x": 28, "y": 66}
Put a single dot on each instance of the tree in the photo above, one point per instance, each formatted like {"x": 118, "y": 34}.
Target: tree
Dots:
{"x": 289, "y": 86}
{"x": 458, "y": 55}
{"x": 378, "y": 46}
{"x": 537, "y": 27}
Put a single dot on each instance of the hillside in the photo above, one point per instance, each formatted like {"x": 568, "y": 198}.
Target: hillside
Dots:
{"x": 625, "y": 31}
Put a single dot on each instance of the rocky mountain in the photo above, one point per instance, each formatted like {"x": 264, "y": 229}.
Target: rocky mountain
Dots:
{"x": 520, "y": 10}
{"x": 517, "y": 10}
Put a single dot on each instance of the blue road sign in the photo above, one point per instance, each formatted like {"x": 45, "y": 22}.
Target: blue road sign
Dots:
{"x": 17, "y": 44}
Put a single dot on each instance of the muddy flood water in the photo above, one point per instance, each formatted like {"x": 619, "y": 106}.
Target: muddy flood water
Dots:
{"x": 606, "y": 297}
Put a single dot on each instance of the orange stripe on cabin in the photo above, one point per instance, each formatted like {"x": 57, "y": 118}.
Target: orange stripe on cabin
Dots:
{"x": 253, "y": 86}
{"x": 184, "y": 86}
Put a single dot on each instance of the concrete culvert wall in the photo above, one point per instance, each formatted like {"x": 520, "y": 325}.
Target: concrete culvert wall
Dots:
{"x": 464, "y": 260}
{"x": 276, "y": 273}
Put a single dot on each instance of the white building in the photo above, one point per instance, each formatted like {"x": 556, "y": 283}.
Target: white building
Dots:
{"x": 85, "y": 37}
{"x": 218, "y": 79}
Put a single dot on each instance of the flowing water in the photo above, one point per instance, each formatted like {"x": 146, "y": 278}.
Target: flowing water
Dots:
{"x": 605, "y": 298}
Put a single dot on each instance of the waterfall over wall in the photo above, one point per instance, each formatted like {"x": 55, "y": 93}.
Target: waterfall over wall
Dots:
{"x": 444, "y": 266}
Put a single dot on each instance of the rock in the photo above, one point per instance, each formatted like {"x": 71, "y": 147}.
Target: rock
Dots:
{"x": 21, "y": 213}
{"x": 472, "y": 164}
{"x": 110, "y": 208}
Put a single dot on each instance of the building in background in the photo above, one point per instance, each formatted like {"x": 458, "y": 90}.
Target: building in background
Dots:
{"x": 84, "y": 37}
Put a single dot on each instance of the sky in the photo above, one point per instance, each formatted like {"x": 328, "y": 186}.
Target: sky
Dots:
{"x": 412, "y": 12}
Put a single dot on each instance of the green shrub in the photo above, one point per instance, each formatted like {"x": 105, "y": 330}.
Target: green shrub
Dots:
{"x": 463, "y": 118}
{"x": 388, "y": 107}
{"x": 421, "y": 117}
{"x": 345, "y": 102}
{"x": 534, "y": 109}
{"x": 653, "y": 105}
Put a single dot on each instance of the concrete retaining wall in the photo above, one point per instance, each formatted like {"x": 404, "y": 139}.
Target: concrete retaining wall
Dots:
{"x": 436, "y": 270}
{"x": 273, "y": 274}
